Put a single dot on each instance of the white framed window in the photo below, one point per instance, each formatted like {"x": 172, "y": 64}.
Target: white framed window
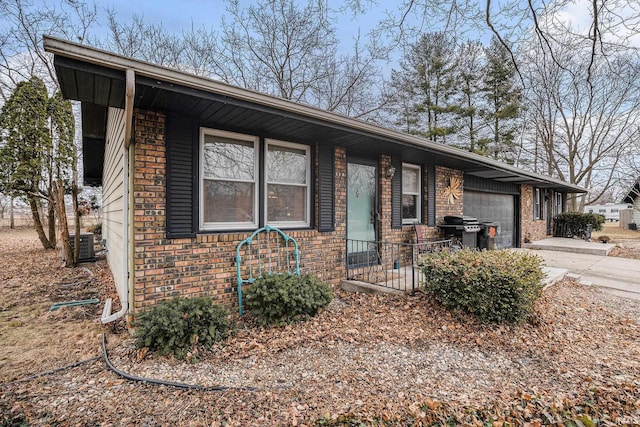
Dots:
{"x": 411, "y": 194}
{"x": 558, "y": 202}
{"x": 228, "y": 180}
{"x": 287, "y": 190}
{"x": 538, "y": 203}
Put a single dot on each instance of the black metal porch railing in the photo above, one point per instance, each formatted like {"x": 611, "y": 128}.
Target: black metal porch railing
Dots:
{"x": 387, "y": 264}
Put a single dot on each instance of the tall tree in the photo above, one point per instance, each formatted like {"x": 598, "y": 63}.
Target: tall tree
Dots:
{"x": 502, "y": 109}
{"x": 428, "y": 78}
{"x": 22, "y": 57}
{"x": 284, "y": 48}
{"x": 36, "y": 149}
{"x": 24, "y": 23}
{"x": 584, "y": 121}
{"x": 471, "y": 61}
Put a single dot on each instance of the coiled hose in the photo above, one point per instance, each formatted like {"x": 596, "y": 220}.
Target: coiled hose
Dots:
{"x": 130, "y": 377}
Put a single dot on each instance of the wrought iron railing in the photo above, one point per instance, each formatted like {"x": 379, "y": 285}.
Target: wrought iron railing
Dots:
{"x": 387, "y": 264}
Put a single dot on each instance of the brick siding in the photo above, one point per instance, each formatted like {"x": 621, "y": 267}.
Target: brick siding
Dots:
{"x": 205, "y": 265}
{"x": 531, "y": 229}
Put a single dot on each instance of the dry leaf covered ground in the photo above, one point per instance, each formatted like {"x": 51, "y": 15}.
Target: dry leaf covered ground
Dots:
{"x": 375, "y": 360}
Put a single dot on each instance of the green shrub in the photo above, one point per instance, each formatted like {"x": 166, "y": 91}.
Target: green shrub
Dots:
{"x": 494, "y": 286}
{"x": 284, "y": 298}
{"x": 575, "y": 223}
{"x": 181, "y": 326}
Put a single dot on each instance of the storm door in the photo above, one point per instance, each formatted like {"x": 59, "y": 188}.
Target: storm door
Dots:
{"x": 362, "y": 215}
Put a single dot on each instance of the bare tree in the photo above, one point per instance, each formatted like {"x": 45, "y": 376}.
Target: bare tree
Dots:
{"x": 144, "y": 40}
{"x": 584, "y": 113}
{"x": 21, "y": 52}
{"x": 277, "y": 47}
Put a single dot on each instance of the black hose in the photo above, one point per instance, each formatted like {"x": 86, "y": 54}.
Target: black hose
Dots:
{"x": 53, "y": 371}
{"x": 160, "y": 382}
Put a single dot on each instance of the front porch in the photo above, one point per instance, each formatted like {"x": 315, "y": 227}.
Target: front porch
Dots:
{"x": 394, "y": 268}
{"x": 373, "y": 266}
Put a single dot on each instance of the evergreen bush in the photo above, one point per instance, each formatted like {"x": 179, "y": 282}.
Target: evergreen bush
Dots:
{"x": 499, "y": 286}
{"x": 181, "y": 326}
{"x": 284, "y": 298}
{"x": 575, "y": 223}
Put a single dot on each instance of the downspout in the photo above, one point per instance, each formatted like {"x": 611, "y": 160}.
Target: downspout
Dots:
{"x": 127, "y": 303}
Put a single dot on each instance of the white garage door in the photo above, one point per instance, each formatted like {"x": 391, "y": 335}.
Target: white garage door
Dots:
{"x": 492, "y": 207}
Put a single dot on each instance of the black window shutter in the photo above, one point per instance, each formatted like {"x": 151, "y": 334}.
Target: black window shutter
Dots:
{"x": 180, "y": 177}
{"x": 431, "y": 195}
{"x": 326, "y": 205}
{"x": 564, "y": 202}
{"x": 396, "y": 194}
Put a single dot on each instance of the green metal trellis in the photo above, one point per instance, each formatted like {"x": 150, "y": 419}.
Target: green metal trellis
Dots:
{"x": 267, "y": 250}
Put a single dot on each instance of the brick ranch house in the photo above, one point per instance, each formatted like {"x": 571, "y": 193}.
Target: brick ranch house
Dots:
{"x": 190, "y": 167}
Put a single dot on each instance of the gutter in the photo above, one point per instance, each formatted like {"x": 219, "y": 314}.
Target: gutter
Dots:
{"x": 127, "y": 303}
{"x": 164, "y": 74}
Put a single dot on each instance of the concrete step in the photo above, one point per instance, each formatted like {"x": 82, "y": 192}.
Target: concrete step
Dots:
{"x": 577, "y": 246}
{"x": 553, "y": 275}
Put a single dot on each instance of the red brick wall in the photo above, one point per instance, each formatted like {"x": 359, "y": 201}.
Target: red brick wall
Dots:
{"x": 531, "y": 229}
{"x": 205, "y": 265}
{"x": 443, "y": 207}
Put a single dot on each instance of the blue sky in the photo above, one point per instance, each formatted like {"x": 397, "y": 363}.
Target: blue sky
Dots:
{"x": 178, "y": 15}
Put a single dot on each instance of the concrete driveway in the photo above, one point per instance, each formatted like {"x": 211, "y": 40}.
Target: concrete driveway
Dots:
{"x": 617, "y": 275}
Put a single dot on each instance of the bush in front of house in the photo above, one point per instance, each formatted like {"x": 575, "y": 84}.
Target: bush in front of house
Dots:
{"x": 182, "y": 326}
{"x": 575, "y": 223}
{"x": 284, "y": 298}
{"x": 499, "y": 286}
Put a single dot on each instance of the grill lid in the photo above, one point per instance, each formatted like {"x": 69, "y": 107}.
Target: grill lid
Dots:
{"x": 460, "y": 220}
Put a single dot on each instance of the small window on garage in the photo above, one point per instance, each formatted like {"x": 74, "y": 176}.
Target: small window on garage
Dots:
{"x": 411, "y": 195}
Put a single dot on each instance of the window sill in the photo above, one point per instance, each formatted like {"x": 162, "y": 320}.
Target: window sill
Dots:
{"x": 251, "y": 230}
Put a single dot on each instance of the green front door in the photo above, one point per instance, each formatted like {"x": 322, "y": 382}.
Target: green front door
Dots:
{"x": 361, "y": 213}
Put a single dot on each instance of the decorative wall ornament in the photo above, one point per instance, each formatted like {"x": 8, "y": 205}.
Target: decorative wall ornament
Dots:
{"x": 453, "y": 191}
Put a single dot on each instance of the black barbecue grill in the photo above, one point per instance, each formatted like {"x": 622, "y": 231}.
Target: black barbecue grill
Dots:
{"x": 463, "y": 228}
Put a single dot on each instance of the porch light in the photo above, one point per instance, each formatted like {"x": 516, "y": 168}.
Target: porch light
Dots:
{"x": 391, "y": 171}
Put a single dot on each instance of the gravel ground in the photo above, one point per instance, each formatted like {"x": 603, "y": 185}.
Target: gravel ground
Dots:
{"x": 366, "y": 360}
{"x": 365, "y": 356}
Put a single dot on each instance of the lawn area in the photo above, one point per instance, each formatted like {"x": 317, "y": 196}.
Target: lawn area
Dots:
{"x": 366, "y": 360}
{"x": 627, "y": 241}
{"x": 617, "y": 233}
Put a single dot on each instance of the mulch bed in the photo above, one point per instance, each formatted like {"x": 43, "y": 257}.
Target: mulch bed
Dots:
{"x": 368, "y": 360}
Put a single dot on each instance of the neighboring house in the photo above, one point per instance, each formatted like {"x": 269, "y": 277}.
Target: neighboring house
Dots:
{"x": 191, "y": 166}
{"x": 633, "y": 198}
{"x": 610, "y": 211}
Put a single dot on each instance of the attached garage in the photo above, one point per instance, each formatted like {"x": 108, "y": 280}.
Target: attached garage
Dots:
{"x": 492, "y": 201}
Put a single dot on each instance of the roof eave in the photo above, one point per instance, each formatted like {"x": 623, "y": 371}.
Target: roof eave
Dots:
{"x": 108, "y": 59}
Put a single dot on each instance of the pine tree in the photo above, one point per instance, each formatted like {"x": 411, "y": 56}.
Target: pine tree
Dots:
{"x": 502, "y": 94}
{"x": 469, "y": 95}
{"x": 423, "y": 88}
